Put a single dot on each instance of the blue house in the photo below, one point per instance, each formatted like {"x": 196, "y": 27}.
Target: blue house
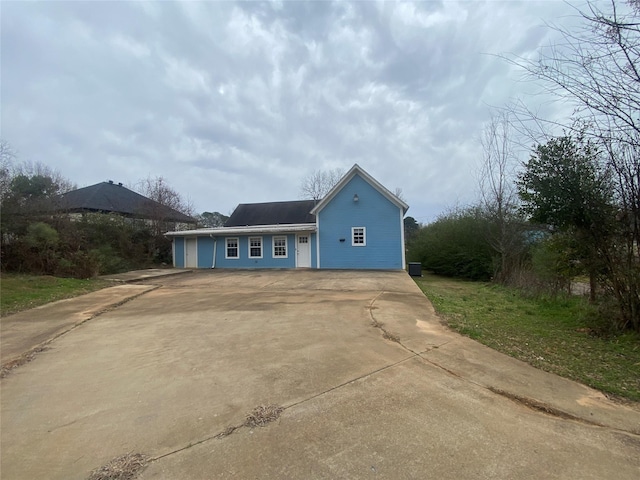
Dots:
{"x": 357, "y": 225}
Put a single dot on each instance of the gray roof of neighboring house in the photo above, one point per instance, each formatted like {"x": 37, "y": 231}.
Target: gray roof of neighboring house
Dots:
{"x": 107, "y": 197}
{"x": 272, "y": 213}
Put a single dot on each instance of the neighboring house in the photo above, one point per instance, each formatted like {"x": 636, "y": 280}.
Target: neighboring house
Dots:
{"x": 107, "y": 197}
{"x": 358, "y": 225}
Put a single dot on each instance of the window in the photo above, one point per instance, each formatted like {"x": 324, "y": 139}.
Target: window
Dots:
{"x": 358, "y": 236}
{"x": 280, "y": 247}
{"x": 255, "y": 247}
{"x": 232, "y": 248}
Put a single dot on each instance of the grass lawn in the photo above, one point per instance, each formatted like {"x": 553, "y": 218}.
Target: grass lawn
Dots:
{"x": 20, "y": 292}
{"x": 557, "y": 335}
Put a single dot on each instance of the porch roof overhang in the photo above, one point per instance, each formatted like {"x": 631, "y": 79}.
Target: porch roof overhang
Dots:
{"x": 246, "y": 230}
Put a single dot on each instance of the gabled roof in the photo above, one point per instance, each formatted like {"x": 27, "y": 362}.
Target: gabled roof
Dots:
{"x": 272, "y": 213}
{"x": 108, "y": 197}
{"x": 357, "y": 170}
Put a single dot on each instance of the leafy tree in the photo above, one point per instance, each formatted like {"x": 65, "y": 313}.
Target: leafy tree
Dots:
{"x": 29, "y": 190}
{"x": 555, "y": 261}
{"x": 595, "y": 68}
{"x": 563, "y": 186}
{"x": 411, "y": 228}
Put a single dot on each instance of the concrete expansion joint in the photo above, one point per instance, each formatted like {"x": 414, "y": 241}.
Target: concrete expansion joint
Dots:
{"x": 231, "y": 429}
{"x": 530, "y": 403}
{"x": 351, "y": 381}
{"x": 30, "y": 355}
{"x": 450, "y": 372}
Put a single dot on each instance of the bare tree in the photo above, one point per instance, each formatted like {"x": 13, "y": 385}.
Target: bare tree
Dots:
{"x": 159, "y": 217}
{"x": 212, "y": 219}
{"x": 28, "y": 187}
{"x": 497, "y": 171}
{"x": 159, "y": 190}
{"x": 499, "y": 196}
{"x": 39, "y": 169}
{"x": 7, "y": 157}
{"x": 597, "y": 69}
{"x": 398, "y": 193}
{"x": 317, "y": 184}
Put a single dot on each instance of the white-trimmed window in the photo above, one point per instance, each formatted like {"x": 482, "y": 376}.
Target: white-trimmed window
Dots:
{"x": 231, "y": 248}
{"x": 279, "y": 247}
{"x": 358, "y": 236}
{"x": 255, "y": 247}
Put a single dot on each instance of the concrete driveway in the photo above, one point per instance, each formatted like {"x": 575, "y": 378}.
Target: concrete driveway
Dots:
{"x": 371, "y": 384}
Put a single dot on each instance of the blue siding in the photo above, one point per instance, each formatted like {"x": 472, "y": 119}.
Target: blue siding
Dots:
{"x": 381, "y": 218}
{"x": 206, "y": 248}
{"x": 205, "y": 252}
{"x": 178, "y": 259}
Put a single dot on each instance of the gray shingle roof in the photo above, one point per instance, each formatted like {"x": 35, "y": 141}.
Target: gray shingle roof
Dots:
{"x": 107, "y": 197}
{"x": 272, "y": 213}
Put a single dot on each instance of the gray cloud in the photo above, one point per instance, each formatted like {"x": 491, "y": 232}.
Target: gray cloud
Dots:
{"x": 236, "y": 102}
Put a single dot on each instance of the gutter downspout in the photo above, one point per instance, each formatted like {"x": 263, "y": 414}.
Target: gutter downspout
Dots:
{"x": 215, "y": 245}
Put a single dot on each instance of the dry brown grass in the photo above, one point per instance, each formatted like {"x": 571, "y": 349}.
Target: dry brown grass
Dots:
{"x": 124, "y": 467}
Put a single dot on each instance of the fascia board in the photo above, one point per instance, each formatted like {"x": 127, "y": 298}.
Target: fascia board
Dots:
{"x": 247, "y": 230}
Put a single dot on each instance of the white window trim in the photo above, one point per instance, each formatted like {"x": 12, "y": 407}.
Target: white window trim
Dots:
{"x": 364, "y": 236}
{"x": 249, "y": 247}
{"x": 286, "y": 246}
{"x": 226, "y": 247}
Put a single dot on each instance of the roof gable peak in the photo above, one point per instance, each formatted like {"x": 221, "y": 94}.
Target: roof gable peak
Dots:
{"x": 358, "y": 170}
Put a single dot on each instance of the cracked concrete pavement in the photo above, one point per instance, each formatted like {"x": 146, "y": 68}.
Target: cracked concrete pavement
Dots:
{"x": 371, "y": 383}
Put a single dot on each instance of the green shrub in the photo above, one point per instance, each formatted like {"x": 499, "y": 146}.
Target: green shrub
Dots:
{"x": 109, "y": 261}
{"x": 455, "y": 245}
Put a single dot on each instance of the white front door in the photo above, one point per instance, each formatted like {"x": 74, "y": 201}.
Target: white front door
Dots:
{"x": 191, "y": 253}
{"x": 303, "y": 251}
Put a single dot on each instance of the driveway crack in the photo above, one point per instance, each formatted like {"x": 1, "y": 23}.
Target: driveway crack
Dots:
{"x": 248, "y": 421}
{"x": 386, "y": 334}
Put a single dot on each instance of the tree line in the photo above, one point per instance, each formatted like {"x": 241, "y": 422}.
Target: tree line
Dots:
{"x": 573, "y": 207}
{"x": 36, "y": 240}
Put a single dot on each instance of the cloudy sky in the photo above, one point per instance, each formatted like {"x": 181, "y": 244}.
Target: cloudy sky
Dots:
{"x": 236, "y": 102}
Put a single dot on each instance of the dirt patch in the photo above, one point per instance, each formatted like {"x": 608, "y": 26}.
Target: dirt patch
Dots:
{"x": 124, "y": 467}
{"x": 390, "y": 336}
{"x": 540, "y": 407}
{"x": 21, "y": 360}
{"x": 262, "y": 415}
{"x": 385, "y": 333}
